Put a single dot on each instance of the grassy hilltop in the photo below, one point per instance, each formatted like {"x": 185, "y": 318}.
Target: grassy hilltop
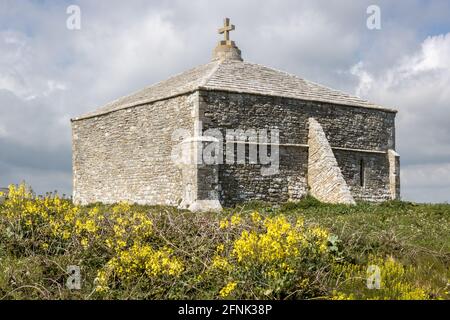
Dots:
{"x": 303, "y": 250}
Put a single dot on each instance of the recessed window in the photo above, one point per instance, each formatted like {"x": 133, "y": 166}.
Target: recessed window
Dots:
{"x": 362, "y": 171}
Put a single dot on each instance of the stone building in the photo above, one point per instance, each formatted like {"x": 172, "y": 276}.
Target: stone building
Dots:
{"x": 335, "y": 146}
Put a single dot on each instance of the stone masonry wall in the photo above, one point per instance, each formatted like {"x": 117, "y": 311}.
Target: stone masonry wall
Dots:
{"x": 324, "y": 175}
{"x": 350, "y": 131}
{"x": 394, "y": 174}
{"x": 241, "y": 183}
{"x": 125, "y": 155}
{"x": 376, "y": 174}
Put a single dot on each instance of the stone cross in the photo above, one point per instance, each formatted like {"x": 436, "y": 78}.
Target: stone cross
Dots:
{"x": 227, "y": 27}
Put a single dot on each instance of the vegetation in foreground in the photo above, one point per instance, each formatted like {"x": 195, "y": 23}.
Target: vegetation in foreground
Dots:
{"x": 303, "y": 250}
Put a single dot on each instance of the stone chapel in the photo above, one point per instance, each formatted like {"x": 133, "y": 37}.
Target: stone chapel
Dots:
{"x": 269, "y": 136}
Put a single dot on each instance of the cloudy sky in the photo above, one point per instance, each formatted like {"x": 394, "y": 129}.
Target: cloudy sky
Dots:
{"x": 49, "y": 73}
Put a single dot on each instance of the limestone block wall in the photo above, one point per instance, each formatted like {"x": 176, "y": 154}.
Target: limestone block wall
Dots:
{"x": 241, "y": 183}
{"x": 375, "y": 183}
{"x": 324, "y": 175}
{"x": 126, "y": 155}
{"x": 344, "y": 126}
{"x": 353, "y": 133}
{"x": 200, "y": 181}
{"x": 394, "y": 174}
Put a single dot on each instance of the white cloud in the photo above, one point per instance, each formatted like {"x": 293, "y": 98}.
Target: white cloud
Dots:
{"x": 49, "y": 74}
{"x": 435, "y": 55}
{"x": 432, "y": 60}
{"x": 365, "y": 79}
{"x": 419, "y": 86}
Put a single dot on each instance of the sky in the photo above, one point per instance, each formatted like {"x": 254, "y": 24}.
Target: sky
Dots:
{"x": 50, "y": 73}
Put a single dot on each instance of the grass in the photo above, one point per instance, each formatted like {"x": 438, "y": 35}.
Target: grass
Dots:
{"x": 415, "y": 236}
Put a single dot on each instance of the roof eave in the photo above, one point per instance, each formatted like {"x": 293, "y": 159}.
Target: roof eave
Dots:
{"x": 205, "y": 88}
{"x": 375, "y": 107}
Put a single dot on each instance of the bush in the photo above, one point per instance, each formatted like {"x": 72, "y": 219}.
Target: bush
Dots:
{"x": 294, "y": 251}
{"x": 269, "y": 258}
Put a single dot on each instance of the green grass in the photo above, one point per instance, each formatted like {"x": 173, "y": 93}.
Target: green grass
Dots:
{"x": 416, "y": 235}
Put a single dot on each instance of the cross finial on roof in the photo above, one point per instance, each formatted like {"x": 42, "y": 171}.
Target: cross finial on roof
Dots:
{"x": 227, "y": 49}
{"x": 227, "y": 27}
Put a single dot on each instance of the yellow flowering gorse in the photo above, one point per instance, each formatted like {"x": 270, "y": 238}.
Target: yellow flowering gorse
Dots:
{"x": 51, "y": 222}
{"x": 248, "y": 255}
{"x": 270, "y": 248}
{"x": 396, "y": 281}
{"x": 228, "y": 289}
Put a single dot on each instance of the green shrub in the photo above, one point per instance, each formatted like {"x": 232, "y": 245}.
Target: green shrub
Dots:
{"x": 302, "y": 250}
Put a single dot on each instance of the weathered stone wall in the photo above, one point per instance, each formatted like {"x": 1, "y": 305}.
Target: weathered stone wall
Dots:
{"x": 126, "y": 154}
{"x": 241, "y": 183}
{"x": 345, "y": 126}
{"x": 375, "y": 170}
{"x": 351, "y": 131}
{"x": 394, "y": 174}
{"x": 325, "y": 179}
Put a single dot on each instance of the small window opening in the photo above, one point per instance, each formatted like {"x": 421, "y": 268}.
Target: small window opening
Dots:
{"x": 362, "y": 173}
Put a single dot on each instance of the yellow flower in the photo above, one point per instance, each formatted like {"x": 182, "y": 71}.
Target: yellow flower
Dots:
{"x": 220, "y": 263}
{"x": 226, "y": 291}
{"x": 245, "y": 246}
{"x": 121, "y": 243}
{"x": 101, "y": 281}
{"x": 90, "y": 226}
{"x": 84, "y": 242}
{"x": 255, "y": 217}
{"x": 94, "y": 212}
{"x": 236, "y": 219}
{"x": 66, "y": 235}
{"x": 300, "y": 223}
{"x": 396, "y": 281}
{"x": 224, "y": 224}
{"x": 141, "y": 259}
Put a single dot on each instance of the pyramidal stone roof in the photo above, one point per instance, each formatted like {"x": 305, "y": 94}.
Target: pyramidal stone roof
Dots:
{"x": 228, "y": 72}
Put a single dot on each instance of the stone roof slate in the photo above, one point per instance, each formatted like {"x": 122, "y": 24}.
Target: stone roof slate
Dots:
{"x": 235, "y": 76}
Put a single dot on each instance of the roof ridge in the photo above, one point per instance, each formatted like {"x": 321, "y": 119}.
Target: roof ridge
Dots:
{"x": 159, "y": 82}
{"x": 211, "y": 73}
{"x": 104, "y": 108}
